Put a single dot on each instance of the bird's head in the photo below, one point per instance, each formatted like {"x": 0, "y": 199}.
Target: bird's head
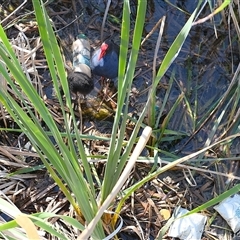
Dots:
{"x": 104, "y": 48}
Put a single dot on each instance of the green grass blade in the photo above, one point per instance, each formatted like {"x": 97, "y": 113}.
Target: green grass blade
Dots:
{"x": 215, "y": 200}
{"x": 112, "y": 168}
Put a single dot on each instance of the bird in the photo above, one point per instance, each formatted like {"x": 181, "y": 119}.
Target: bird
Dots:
{"x": 80, "y": 82}
{"x": 104, "y": 60}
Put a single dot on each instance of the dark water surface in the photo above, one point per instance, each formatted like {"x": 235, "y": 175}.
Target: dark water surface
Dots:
{"x": 203, "y": 68}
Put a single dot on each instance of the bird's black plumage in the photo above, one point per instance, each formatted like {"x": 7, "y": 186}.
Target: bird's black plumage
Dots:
{"x": 80, "y": 82}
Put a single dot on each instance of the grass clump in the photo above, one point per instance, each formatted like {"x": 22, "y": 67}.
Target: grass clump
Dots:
{"x": 66, "y": 157}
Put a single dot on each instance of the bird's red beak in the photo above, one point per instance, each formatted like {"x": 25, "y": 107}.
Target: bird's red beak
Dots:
{"x": 104, "y": 48}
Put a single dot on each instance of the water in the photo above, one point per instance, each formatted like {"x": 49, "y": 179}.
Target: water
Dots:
{"x": 203, "y": 69}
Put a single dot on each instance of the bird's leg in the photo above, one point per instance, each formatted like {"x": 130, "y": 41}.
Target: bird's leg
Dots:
{"x": 80, "y": 113}
{"x": 102, "y": 81}
{"x": 108, "y": 92}
{"x": 101, "y": 91}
